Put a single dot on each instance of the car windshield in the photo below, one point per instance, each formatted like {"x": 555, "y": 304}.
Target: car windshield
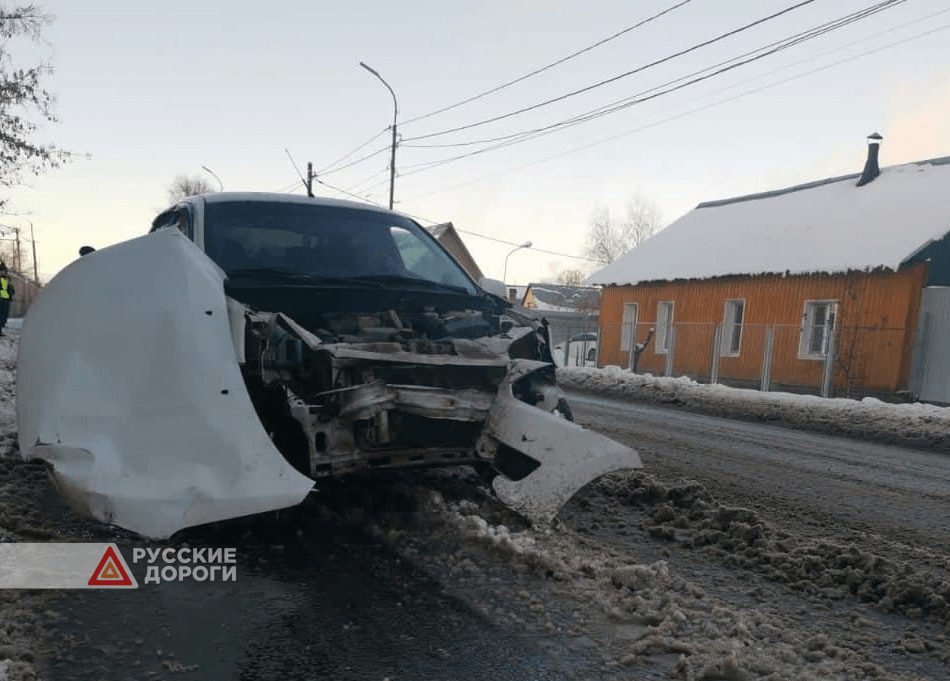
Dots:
{"x": 325, "y": 242}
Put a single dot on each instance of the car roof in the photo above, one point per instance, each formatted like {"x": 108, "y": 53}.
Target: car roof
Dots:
{"x": 275, "y": 197}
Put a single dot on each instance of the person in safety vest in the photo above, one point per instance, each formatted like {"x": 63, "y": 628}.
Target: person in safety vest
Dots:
{"x": 6, "y": 295}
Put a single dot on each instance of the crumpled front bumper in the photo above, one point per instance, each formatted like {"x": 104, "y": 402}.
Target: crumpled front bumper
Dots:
{"x": 128, "y": 385}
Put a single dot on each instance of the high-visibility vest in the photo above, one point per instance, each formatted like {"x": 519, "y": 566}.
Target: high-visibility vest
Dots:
{"x": 4, "y": 293}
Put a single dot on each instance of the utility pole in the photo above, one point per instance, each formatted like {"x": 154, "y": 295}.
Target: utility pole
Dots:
{"x": 17, "y": 232}
{"x": 36, "y": 274}
{"x": 310, "y": 179}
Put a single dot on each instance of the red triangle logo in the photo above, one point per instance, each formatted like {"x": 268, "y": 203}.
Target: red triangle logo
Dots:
{"x": 110, "y": 571}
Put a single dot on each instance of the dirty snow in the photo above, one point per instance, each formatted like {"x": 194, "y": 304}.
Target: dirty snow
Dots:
{"x": 914, "y": 424}
{"x": 638, "y": 613}
{"x": 831, "y": 227}
{"x": 21, "y": 612}
{"x": 646, "y": 578}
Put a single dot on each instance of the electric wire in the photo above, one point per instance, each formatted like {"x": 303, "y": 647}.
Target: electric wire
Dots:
{"x": 328, "y": 167}
{"x": 645, "y": 96}
{"x": 617, "y": 105}
{"x": 689, "y": 112}
{"x": 361, "y": 159}
{"x": 620, "y": 76}
{"x": 549, "y": 66}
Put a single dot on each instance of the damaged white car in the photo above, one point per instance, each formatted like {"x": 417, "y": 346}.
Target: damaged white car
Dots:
{"x": 252, "y": 343}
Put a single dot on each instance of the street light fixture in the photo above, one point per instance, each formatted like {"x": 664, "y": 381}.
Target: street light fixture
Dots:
{"x": 392, "y": 157}
{"x": 212, "y": 173}
{"x": 526, "y": 244}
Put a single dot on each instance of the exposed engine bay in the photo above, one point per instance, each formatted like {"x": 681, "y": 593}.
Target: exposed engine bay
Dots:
{"x": 185, "y": 394}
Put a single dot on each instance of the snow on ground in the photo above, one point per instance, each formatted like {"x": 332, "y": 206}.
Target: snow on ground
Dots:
{"x": 913, "y": 424}
{"x": 636, "y": 612}
{"x": 21, "y": 612}
{"x": 599, "y": 584}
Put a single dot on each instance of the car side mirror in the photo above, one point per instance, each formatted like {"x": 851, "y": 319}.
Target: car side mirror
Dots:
{"x": 86, "y": 250}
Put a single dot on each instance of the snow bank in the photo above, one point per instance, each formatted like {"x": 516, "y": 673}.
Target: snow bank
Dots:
{"x": 644, "y": 616}
{"x": 21, "y": 617}
{"x": 917, "y": 425}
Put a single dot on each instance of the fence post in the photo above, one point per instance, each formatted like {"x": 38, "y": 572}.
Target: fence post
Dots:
{"x": 631, "y": 353}
{"x": 922, "y": 352}
{"x": 827, "y": 376}
{"x": 714, "y": 370}
{"x": 668, "y": 370}
{"x": 766, "y": 379}
{"x": 567, "y": 346}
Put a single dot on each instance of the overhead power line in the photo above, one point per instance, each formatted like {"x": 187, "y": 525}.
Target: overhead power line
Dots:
{"x": 532, "y": 248}
{"x": 646, "y": 95}
{"x": 705, "y": 107}
{"x": 620, "y": 104}
{"x": 549, "y": 66}
{"x": 614, "y": 79}
{"x": 327, "y": 168}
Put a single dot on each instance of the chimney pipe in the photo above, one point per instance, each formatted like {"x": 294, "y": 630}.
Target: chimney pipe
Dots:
{"x": 871, "y": 169}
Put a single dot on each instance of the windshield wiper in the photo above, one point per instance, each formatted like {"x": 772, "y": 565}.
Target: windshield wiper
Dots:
{"x": 264, "y": 271}
{"x": 285, "y": 273}
{"x": 403, "y": 279}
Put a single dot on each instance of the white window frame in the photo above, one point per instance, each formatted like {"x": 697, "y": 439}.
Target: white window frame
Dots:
{"x": 731, "y": 329}
{"x": 664, "y": 325}
{"x": 628, "y": 329}
{"x": 808, "y": 328}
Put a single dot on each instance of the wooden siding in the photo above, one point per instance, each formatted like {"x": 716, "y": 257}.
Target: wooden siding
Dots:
{"x": 876, "y": 319}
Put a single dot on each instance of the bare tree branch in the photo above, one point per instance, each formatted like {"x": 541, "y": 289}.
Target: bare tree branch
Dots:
{"x": 184, "y": 185}
{"x": 23, "y": 98}
{"x": 608, "y": 239}
{"x": 643, "y": 220}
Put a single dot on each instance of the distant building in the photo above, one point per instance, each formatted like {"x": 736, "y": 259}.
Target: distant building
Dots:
{"x": 584, "y": 299}
{"x": 841, "y": 284}
{"x": 571, "y": 311}
{"x": 515, "y": 293}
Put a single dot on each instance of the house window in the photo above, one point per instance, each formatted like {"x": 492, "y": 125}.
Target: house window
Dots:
{"x": 818, "y": 326}
{"x": 628, "y": 332}
{"x": 732, "y": 328}
{"x": 664, "y": 326}
{"x": 512, "y": 294}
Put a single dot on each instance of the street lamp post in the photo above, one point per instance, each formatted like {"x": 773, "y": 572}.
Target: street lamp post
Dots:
{"x": 392, "y": 157}
{"x": 526, "y": 244}
{"x": 212, "y": 173}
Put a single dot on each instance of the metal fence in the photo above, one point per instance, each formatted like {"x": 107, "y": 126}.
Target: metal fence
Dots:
{"x": 26, "y": 292}
{"x": 850, "y": 361}
{"x": 576, "y": 343}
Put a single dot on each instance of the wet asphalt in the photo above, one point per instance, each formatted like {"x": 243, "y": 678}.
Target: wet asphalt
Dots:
{"x": 324, "y": 601}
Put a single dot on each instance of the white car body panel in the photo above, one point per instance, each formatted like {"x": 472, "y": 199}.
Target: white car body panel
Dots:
{"x": 129, "y": 386}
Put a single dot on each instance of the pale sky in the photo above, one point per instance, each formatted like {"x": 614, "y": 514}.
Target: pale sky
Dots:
{"x": 152, "y": 90}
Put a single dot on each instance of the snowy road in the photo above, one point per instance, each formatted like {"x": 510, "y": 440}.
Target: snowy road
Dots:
{"x": 742, "y": 551}
{"x": 816, "y": 483}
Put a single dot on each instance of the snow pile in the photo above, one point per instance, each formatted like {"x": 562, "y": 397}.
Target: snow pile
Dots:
{"x": 8, "y": 351}
{"x": 20, "y": 618}
{"x": 916, "y": 424}
{"x": 688, "y": 515}
{"x": 562, "y": 586}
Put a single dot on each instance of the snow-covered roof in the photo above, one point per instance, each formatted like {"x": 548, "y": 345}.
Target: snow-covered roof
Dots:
{"x": 830, "y": 225}
{"x": 565, "y": 298}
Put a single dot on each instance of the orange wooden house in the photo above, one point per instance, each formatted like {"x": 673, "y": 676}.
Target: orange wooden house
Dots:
{"x": 822, "y": 286}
